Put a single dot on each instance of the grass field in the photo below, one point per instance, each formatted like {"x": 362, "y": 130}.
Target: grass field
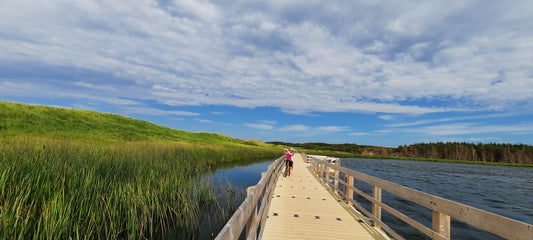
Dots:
{"x": 70, "y": 174}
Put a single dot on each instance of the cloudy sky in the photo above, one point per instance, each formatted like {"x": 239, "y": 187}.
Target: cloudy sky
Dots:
{"x": 370, "y": 72}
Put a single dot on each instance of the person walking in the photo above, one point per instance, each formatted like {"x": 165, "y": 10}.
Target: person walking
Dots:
{"x": 288, "y": 162}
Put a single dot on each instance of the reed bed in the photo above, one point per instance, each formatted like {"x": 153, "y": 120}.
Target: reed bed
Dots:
{"x": 73, "y": 189}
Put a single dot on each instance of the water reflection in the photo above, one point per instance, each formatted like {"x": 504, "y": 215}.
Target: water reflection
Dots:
{"x": 229, "y": 187}
{"x": 241, "y": 176}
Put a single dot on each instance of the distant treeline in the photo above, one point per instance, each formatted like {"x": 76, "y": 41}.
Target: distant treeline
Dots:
{"x": 343, "y": 147}
{"x": 492, "y": 152}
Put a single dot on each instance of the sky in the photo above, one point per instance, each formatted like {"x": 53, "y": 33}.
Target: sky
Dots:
{"x": 370, "y": 72}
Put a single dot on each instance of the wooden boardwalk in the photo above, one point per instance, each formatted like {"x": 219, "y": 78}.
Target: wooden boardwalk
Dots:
{"x": 303, "y": 207}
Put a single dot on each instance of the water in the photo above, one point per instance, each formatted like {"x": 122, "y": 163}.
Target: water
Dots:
{"x": 504, "y": 190}
{"x": 230, "y": 188}
{"x": 241, "y": 176}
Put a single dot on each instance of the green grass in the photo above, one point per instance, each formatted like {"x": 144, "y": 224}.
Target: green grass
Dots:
{"x": 70, "y": 174}
{"x": 18, "y": 118}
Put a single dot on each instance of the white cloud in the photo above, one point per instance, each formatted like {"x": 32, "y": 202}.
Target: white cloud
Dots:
{"x": 297, "y": 128}
{"x": 386, "y": 117}
{"x": 260, "y": 126}
{"x": 429, "y": 121}
{"x": 268, "y": 122}
{"x": 471, "y": 128}
{"x": 204, "y": 120}
{"x": 157, "y": 112}
{"x": 309, "y": 129}
{"x": 491, "y": 139}
{"x": 359, "y": 134}
{"x": 300, "y": 56}
{"x": 202, "y": 9}
{"x": 333, "y": 128}
{"x": 208, "y": 121}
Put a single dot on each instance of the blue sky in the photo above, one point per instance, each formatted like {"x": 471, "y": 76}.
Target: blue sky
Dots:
{"x": 384, "y": 73}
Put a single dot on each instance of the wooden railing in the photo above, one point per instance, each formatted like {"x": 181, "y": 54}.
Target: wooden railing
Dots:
{"x": 443, "y": 209}
{"x": 251, "y": 214}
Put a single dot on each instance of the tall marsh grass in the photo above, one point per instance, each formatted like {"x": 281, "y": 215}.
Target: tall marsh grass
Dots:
{"x": 73, "y": 189}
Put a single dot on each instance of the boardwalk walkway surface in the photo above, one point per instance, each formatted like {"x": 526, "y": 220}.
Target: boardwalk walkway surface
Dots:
{"x": 303, "y": 208}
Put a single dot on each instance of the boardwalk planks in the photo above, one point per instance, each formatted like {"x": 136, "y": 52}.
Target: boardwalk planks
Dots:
{"x": 302, "y": 208}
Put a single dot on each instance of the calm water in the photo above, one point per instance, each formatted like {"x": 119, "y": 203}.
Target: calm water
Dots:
{"x": 230, "y": 189}
{"x": 241, "y": 176}
{"x": 507, "y": 191}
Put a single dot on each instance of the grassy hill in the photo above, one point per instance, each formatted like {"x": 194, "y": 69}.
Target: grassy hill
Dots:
{"x": 18, "y": 118}
{"x": 72, "y": 174}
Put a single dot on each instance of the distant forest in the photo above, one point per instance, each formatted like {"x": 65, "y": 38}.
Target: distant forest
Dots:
{"x": 344, "y": 147}
{"x": 492, "y": 152}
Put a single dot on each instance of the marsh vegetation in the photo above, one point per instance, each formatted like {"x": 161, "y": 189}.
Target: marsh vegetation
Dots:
{"x": 69, "y": 174}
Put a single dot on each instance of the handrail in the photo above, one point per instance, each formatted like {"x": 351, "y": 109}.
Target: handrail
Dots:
{"x": 248, "y": 215}
{"x": 443, "y": 209}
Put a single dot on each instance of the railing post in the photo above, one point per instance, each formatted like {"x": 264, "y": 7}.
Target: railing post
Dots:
{"x": 441, "y": 224}
{"x": 349, "y": 192}
{"x": 325, "y": 171}
{"x": 321, "y": 167}
{"x": 250, "y": 223}
{"x": 336, "y": 182}
{"x": 376, "y": 209}
{"x": 345, "y": 188}
{"x": 317, "y": 168}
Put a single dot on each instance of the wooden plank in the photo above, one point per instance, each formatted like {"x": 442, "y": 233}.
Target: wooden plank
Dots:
{"x": 383, "y": 225}
{"x": 251, "y": 222}
{"x": 319, "y": 214}
{"x": 376, "y": 207}
{"x": 349, "y": 190}
{"x": 441, "y": 224}
{"x": 336, "y": 180}
{"x": 420, "y": 227}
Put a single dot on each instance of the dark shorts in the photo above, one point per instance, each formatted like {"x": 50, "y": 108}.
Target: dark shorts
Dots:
{"x": 289, "y": 163}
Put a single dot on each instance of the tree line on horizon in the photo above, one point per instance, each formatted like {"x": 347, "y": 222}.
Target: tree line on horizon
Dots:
{"x": 463, "y": 151}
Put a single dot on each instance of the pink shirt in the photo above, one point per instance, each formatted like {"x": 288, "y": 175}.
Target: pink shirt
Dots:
{"x": 289, "y": 156}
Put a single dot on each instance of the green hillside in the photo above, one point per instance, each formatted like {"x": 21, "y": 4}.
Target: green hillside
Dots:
{"x": 18, "y": 118}
{"x": 71, "y": 174}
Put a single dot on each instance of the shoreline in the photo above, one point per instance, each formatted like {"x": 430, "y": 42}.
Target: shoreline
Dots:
{"x": 353, "y": 155}
{"x": 444, "y": 160}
